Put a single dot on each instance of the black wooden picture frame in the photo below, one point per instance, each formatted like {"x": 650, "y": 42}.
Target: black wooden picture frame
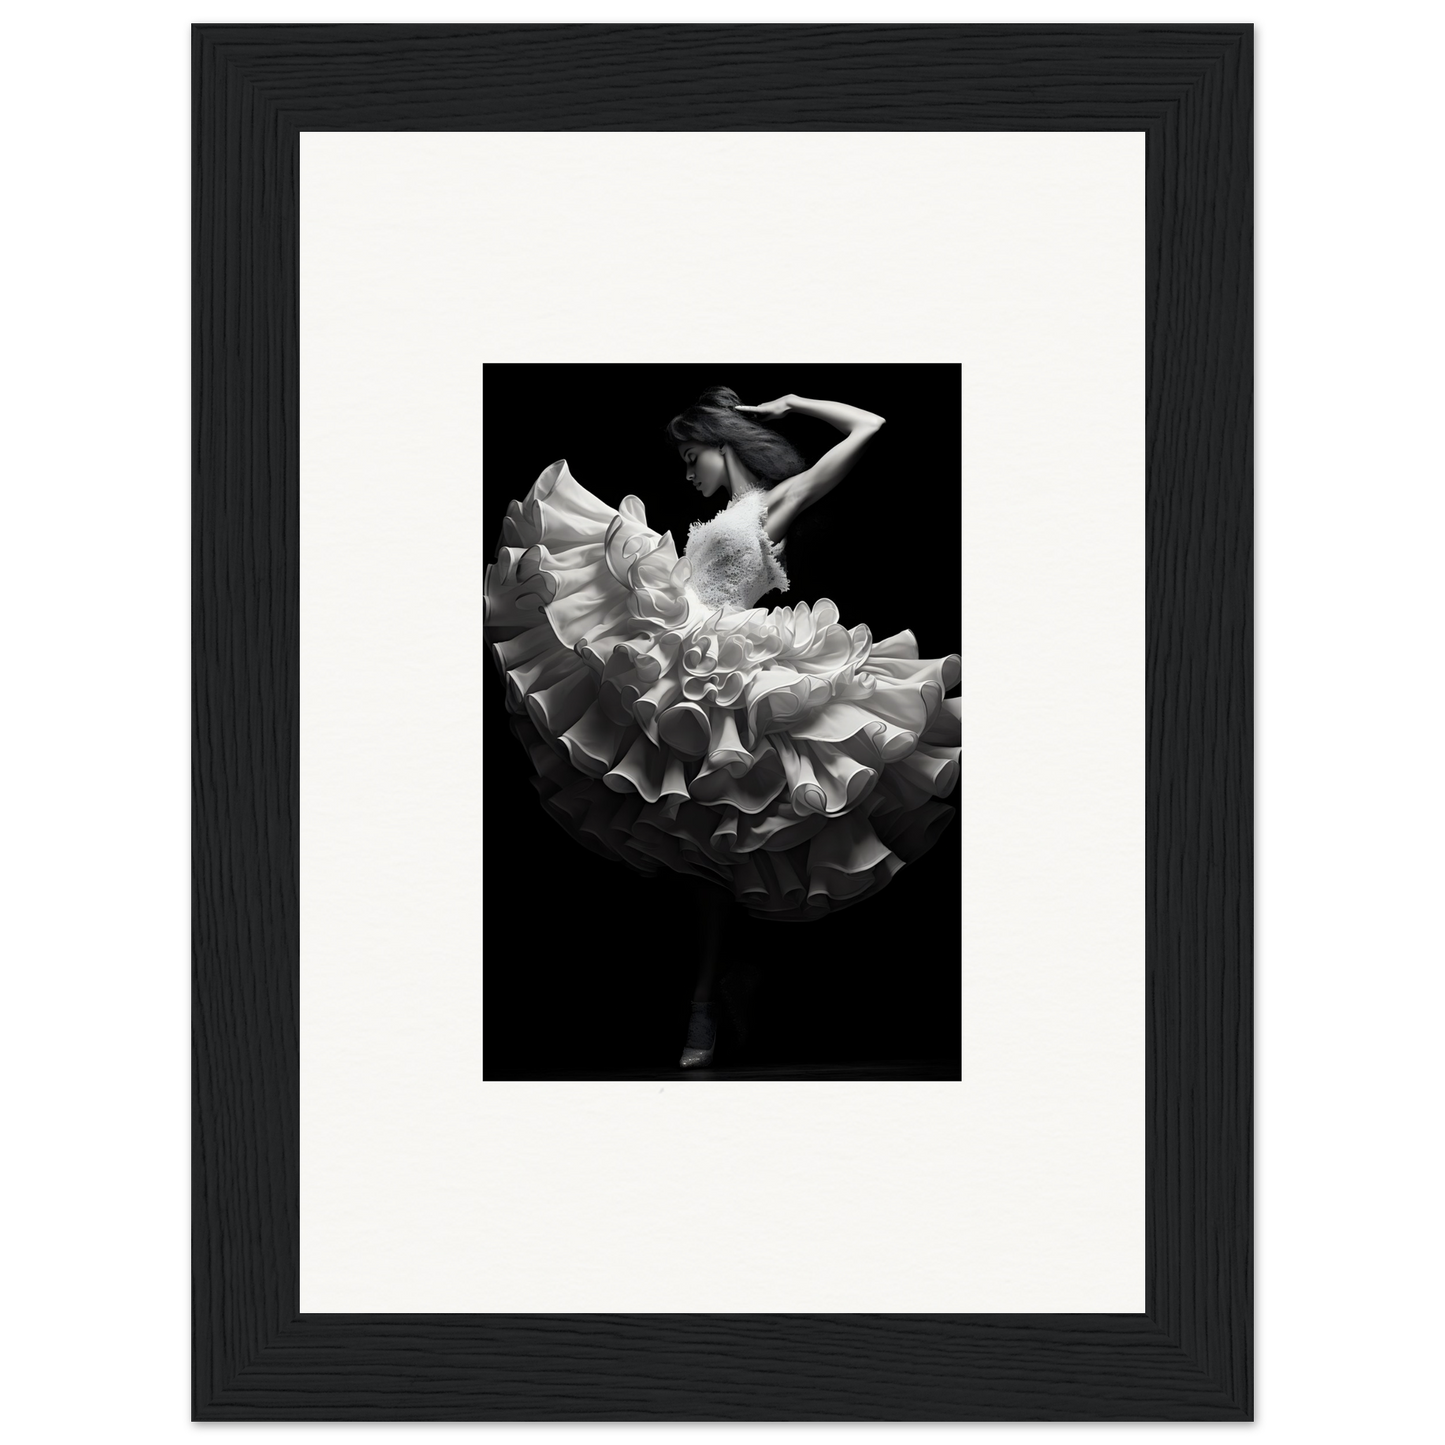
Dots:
{"x": 1189, "y": 1355}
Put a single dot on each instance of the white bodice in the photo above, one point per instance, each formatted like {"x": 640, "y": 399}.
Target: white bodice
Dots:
{"x": 733, "y": 561}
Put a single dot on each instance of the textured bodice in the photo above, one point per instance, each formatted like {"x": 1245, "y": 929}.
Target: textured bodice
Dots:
{"x": 733, "y": 561}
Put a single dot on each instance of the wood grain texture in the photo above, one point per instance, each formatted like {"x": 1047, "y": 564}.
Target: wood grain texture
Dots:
{"x": 254, "y": 89}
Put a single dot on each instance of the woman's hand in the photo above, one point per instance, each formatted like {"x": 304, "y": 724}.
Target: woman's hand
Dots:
{"x": 769, "y": 410}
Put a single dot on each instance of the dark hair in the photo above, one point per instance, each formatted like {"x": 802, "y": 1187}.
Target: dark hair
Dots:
{"x": 711, "y": 420}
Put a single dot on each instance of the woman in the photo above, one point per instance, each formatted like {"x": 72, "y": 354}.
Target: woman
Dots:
{"x": 793, "y": 763}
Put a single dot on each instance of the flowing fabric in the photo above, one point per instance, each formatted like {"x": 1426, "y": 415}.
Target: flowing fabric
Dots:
{"x": 793, "y": 761}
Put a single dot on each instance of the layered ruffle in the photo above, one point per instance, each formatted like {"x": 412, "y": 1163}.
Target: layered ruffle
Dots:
{"x": 796, "y": 762}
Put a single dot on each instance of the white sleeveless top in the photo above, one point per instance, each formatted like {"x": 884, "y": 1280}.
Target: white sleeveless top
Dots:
{"x": 733, "y": 560}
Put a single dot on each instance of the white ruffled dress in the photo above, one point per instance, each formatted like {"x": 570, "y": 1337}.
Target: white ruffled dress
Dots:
{"x": 674, "y": 724}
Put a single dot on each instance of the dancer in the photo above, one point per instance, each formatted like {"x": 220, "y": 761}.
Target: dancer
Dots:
{"x": 791, "y": 764}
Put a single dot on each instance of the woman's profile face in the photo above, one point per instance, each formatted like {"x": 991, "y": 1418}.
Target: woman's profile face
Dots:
{"x": 705, "y": 468}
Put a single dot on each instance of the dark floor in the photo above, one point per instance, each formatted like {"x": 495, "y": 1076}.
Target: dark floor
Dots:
{"x": 938, "y": 1069}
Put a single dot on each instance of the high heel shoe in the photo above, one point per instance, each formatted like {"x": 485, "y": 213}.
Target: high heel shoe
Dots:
{"x": 701, "y": 1037}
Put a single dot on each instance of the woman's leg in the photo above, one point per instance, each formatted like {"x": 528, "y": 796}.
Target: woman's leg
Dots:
{"x": 741, "y": 974}
{"x": 711, "y": 910}
{"x": 709, "y": 914}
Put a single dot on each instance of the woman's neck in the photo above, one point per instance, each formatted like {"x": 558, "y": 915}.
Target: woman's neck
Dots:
{"x": 740, "y": 480}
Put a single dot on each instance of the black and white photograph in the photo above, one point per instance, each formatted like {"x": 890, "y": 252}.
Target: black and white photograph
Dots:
{"x": 722, "y": 726}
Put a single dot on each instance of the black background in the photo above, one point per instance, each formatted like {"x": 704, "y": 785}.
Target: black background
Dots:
{"x": 588, "y": 965}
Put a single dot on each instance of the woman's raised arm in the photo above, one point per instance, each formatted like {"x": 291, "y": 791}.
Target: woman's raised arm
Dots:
{"x": 798, "y": 493}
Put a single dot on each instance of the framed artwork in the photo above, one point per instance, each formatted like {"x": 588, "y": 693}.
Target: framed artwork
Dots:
{"x": 722, "y": 676}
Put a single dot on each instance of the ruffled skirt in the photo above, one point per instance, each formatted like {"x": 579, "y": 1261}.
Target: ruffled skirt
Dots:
{"x": 793, "y": 761}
